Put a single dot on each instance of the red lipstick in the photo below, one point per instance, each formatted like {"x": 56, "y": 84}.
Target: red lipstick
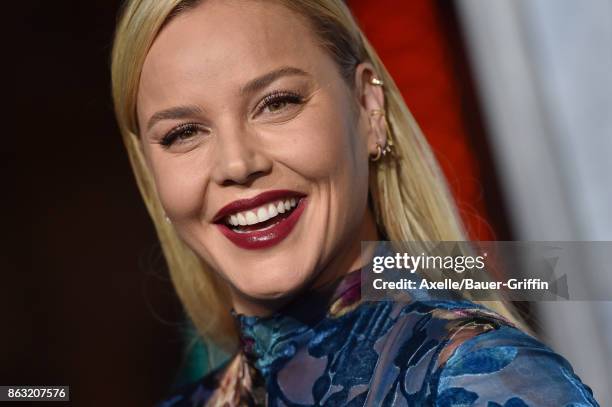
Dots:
{"x": 278, "y": 227}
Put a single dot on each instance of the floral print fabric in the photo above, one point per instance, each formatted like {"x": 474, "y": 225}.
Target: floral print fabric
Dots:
{"x": 332, "y": 349}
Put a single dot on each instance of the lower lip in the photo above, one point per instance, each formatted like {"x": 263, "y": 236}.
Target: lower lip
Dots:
{"x": 260, "y": 239}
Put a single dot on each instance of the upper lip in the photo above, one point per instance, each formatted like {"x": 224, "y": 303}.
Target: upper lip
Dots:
{"x": 250, "y": 203}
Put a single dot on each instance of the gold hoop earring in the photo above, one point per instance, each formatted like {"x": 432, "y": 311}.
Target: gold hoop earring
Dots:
{"x": 379, "y": 153}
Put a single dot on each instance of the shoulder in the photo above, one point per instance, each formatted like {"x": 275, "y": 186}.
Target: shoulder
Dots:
{"x": 483, "y": 359}
{"x": 440, "y": 325}
{"x": 458, "y": 353}
{"x": 196, "y": 393}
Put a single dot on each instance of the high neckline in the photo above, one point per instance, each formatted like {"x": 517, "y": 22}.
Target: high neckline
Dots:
{"x": 267, "y": 341}
{"x": 332, "y": 297}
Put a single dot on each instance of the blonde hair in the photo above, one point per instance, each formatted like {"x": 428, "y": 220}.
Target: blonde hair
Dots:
{"x": 409, "y": 195}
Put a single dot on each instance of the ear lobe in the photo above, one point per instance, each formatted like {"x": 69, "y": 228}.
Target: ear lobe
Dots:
{"x": 377, "y": 136}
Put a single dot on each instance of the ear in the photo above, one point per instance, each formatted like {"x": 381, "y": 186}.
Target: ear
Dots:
{"x": 370, "y": 98}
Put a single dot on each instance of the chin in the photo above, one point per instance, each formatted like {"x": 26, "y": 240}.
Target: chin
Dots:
{"x": 273, "y": 285}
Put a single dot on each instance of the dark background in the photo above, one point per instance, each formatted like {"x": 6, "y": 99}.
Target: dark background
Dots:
{"x": 85, "y": 297}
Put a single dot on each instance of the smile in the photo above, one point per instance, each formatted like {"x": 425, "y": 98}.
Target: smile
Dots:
{"x": 261, "y": 214}
{"x": 262, "y": 221}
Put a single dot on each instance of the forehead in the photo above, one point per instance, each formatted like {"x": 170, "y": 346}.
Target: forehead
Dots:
{"x": 226, "y": 43}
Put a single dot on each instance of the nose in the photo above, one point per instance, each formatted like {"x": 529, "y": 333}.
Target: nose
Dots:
{"x": 239, "y": 156}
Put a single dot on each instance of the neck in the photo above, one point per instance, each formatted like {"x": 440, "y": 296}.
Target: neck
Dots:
{"x": 353, "y": 256}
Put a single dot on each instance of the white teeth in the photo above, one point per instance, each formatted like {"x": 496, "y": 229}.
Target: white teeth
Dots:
{"x": 251, "y": 218}
{"x": 261, "y": 214}
{"x": 272, "y": 210}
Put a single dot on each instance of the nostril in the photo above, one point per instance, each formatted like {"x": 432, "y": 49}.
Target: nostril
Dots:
{"x": 246, "y": 181}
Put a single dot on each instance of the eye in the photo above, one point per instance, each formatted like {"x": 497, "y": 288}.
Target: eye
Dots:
{"x": 181, "y": 134}
{"x": 279, "y": 101}
{"x": 276, "y": 105}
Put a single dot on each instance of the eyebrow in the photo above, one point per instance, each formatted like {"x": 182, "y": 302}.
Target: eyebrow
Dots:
{"x": 264, "y": 80}
{"x": 254, "y": 85}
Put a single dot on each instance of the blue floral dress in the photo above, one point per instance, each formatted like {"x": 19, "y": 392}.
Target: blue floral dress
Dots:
{"x": 331, "y": 348}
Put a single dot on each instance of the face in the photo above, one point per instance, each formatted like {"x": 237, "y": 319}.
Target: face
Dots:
{"x": 259, "y": 149}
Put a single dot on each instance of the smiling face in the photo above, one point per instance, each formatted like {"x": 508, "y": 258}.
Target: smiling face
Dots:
{"x": 258, "y": 148}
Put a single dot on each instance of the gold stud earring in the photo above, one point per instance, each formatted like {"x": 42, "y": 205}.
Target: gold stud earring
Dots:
{"x": 376, "y": 82}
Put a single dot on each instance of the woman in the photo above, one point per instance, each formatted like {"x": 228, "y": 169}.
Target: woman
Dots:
{"x": 268, "y": 142}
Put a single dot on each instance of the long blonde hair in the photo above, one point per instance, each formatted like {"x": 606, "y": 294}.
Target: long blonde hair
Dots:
{"x": 410, "y": 197}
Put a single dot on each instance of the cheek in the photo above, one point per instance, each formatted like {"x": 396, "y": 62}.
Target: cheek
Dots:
{"x": 331, "y": 153}
{"x": 328, "y": 146}
{"x": 180, "y": 184}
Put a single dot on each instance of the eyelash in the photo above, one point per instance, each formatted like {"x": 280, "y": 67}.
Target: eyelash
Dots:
{"x": 280, "y": 96}
{"x": 268, "y": 100}
{"x": 177, "y": 132}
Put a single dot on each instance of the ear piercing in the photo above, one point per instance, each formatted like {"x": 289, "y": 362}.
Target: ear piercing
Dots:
{"x": 382, "y": 151}
{"x": 388, "y": 147}
{"x": 376, "y": 82}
